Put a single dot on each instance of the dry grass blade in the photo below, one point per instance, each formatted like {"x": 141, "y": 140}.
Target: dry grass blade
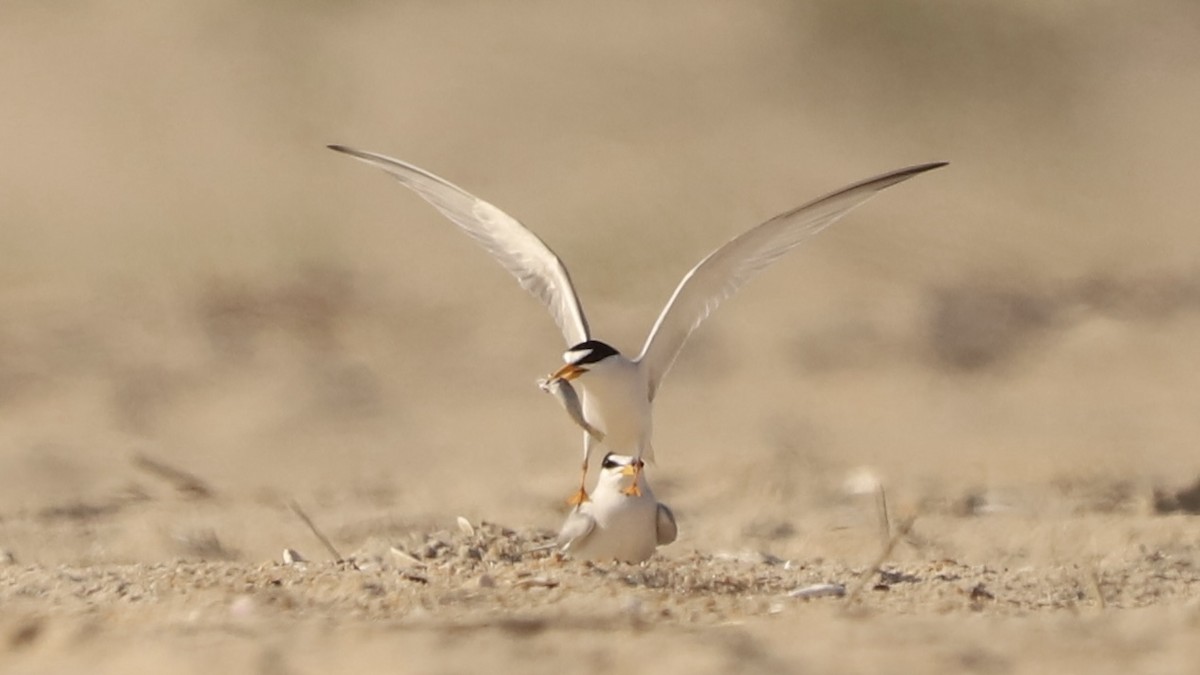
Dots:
{"x": 885, "y": 522}
{"x": 1094, "y": 581}
{"x": 184, "y": 482}
{"x": 205, "y": 545}
{"x": 318, "y": 534}
{"x": 902, "y": 529}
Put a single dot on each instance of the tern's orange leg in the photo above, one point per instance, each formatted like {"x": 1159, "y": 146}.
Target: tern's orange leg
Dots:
{"x": 633, "y": 490}
{"x": 581, "y": 494}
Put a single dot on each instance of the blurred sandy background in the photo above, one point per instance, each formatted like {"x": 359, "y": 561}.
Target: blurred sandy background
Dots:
{"x": 190, "y": 276}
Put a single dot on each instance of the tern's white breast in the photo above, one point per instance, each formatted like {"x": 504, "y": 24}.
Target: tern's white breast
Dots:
{"x": 616, "y": 400}
{"x": 626, "y": 527}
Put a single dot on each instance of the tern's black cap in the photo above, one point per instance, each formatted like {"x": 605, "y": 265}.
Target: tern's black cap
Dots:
{"x": 591, "y": 352}
{"x": 609, "y": 462}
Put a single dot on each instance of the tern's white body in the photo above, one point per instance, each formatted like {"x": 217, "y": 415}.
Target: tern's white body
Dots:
{"x": 614, "y": 525}
{"x": 616, "y": 400}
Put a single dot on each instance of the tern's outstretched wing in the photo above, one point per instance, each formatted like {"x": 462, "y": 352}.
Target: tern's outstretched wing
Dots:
{"x": 665, "y": 525}
{"x": 575, "y": 530}
{"x": 520, "y": 251}
{"x": 726, "y": 269}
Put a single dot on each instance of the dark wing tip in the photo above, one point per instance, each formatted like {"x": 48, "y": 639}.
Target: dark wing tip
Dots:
{"x": 368, "y": 157}
{"x": 876, "y": 183}
{"x": 922, "y": 168}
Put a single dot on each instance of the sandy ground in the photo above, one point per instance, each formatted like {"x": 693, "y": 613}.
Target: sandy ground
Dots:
{"x": 472, "y": 596}
{"x": 208, "y": 319}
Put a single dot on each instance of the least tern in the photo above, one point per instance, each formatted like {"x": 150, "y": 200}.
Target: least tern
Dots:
{"x": 618, "y": 391}
{"x": 616, "y": 523}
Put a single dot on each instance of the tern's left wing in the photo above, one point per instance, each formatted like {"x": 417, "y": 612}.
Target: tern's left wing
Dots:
{"x": 519, "y": 250}
{"x": 665, "y": 526}
{"x": 575, "y": 530}
{"x": 726, "y": 269}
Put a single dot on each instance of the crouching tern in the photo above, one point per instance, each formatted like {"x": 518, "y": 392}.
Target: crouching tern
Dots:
{"x": 616, "y": 523}
{"x": 619, "y": 391}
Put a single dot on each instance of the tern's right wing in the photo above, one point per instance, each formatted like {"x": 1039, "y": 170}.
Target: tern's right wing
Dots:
{"x": 575, "y": 530}
{"x": 519, "y": 250}
{"x": 665, "y": 526}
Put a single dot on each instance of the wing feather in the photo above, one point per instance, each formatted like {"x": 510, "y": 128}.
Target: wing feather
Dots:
{"x": 726, "y": 269}
{"x": 665, "y": 527}
{"x": 575, "y": 530}
{"x": 519, "y": 250}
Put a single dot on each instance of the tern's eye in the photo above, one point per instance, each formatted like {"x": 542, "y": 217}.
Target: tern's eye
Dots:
{"x": 610, "y": 463}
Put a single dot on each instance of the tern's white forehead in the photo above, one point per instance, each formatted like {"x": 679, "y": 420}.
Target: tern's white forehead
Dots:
{"x": 576, "y": 355}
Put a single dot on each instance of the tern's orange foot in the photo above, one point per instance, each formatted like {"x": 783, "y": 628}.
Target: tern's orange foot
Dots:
{"x": 578, "y": 498}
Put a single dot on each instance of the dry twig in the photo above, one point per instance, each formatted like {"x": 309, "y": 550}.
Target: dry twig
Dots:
{"x": 319, "y": 535}
{"x": 184, "y": 482}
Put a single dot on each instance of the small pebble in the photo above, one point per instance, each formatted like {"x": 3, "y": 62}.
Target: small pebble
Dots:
{"x": 818, "y": 591}
{"x": 862, "y": 481}
{"x": 291, "y": 557}
{"x": 486, "y": 581}
{"x": 749, "y": 556}
{"x": 242, "y": 607}
{"x": 536, "y": 582}
{"x": 466, "y": 527}
{"x": 405, "y": 558}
